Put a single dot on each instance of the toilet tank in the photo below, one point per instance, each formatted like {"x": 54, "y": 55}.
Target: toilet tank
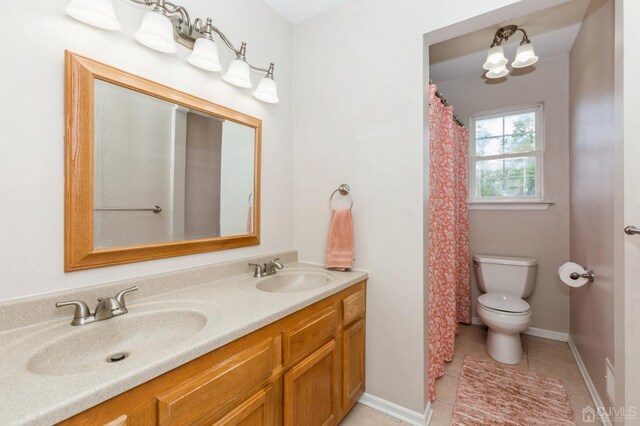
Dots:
{"x": 501, "y": 274}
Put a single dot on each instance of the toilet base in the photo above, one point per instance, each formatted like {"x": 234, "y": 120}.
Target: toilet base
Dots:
{"x": 504, "y": 348}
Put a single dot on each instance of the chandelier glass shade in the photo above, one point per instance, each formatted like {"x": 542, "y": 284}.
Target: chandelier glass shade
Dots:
{"x": 496, "y": 63}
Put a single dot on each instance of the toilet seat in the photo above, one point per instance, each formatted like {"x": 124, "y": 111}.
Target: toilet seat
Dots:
{"x": 505, "y": 304}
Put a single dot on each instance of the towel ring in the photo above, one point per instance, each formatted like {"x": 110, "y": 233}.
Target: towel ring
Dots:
{"x": 249, "y": 200}
{"x": 343, "y": 190}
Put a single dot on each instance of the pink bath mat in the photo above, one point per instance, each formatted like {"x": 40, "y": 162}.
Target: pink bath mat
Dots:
{"x": 494, "y": 395}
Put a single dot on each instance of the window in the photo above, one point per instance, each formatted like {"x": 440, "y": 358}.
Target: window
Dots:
{"x": 506, "y": 156}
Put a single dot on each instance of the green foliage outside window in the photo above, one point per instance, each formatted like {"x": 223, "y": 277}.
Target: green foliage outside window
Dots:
{"x": 506, "y": 177}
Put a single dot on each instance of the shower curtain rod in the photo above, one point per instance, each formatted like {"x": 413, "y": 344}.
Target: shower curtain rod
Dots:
{"x": 445, "y": 103}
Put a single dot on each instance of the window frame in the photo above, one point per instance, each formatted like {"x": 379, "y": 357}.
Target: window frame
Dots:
{"x": 538, "y": 154}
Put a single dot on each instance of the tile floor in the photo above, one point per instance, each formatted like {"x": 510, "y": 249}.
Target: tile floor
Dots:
{"x": 363, "y": 416}
{"x": 544, "y": 356}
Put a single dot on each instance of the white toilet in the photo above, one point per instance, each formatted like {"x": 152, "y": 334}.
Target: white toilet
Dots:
{"x": 505, "y": 282}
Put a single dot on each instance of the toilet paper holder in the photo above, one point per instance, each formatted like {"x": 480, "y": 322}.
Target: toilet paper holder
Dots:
{"x": 588, "y": 274}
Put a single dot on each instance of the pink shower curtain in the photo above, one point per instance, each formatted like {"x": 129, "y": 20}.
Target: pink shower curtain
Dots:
{"x": 449, "y": 285}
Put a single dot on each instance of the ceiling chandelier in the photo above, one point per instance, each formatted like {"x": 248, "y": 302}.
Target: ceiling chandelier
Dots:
{"x": 165, "y": 25}
{"x": 496, "y": 64}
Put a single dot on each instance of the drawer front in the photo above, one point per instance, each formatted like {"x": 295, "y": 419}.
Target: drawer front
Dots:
{"x": 214, "y": 391}
{"x": 255, "y": 411}
{"x": 309, "y": 334}
{"x": 353, "y": 307}
{"x": 120, "y": 421}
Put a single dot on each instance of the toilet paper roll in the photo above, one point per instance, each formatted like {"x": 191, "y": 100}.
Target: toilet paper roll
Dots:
{"x": 567, "y": 265}
{"x": 569, "y": 268}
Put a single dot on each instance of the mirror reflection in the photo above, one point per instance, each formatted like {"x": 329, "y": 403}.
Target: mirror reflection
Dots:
{"x": 164, "y": 172}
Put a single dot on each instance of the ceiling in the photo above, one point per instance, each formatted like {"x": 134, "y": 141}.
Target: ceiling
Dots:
{"x": 552, "y": 32}
{"x": 296, "y": 11}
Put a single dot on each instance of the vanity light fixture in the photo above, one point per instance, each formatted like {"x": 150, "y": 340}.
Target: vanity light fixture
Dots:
{"x": 98, "y": 13}
{"x": 166, "y": 25}
{"x": 267, "y": 90}
{"x": 239, "y": 72}
{"x": 205, "y": 51}
{"x": 496, "y": 63}
{"x": 156, "y": 32}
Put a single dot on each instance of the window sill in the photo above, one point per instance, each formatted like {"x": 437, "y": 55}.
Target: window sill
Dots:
{"x": 510, "y": 205}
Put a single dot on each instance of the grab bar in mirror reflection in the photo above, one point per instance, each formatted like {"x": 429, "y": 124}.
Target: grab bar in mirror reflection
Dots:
{"x": 155, "y": 209}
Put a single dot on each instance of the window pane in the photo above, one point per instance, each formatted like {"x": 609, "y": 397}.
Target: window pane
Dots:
{"x": 520, "y": 124}
{"x": 512, "y": 177}
{"x": 489, "y": 146}
{"x": 520, "y": 176}
{"x": 489, "y": 178}
{"x": 489, "y": 127}
{"x": 518, "y": 144}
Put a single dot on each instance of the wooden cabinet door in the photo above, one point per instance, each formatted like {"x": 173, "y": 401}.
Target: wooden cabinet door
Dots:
{"x": 258, "y": 410}
{"x": 352, "y": 364}
{"x": 213, "y": 392}
{"x": 311, "y": 389}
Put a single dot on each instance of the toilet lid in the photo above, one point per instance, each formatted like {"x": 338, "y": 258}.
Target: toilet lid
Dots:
{"x": 503, "y": 302}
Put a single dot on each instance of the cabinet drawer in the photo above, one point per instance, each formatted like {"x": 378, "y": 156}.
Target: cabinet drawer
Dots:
{"x": 303, "y": 337}
{"x": 353, "y": 307}
{"x": 258, "y": 410}
{"x": 212, "y": 392}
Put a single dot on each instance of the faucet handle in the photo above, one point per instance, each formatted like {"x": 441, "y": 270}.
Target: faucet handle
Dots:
{"x": 120, "y": 297}
{"x": 82, "y": 311}
{"x": 259, "y": 270}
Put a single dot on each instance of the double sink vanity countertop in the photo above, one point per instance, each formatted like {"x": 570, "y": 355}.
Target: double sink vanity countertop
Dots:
{"x": 50, "y": 371}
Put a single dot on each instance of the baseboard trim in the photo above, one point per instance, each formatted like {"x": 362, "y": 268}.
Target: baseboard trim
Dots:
{"x": 533, "y": 331}
{"x": 600, "y": 408}
{"x": 428, "y": 414}
{"x": 396, "y": 411}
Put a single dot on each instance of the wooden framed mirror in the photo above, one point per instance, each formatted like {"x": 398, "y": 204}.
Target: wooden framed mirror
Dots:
{"x": 151, "y": 172}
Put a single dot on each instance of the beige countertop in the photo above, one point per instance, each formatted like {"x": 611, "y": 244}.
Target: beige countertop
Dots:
{"x": 37, "y": 389}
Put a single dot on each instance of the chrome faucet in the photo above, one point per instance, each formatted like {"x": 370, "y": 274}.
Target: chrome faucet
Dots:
{"x": 107, "y": 308}
{"x": 267, "y": 269}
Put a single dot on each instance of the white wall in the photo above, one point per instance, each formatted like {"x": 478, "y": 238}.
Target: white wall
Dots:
{"x": 542, "y": 235}
{"x": 359, "y": 120}
{"x": 32, "y": 111}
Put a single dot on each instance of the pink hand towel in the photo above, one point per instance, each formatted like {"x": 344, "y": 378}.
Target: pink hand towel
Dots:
{"x": 340, "y": 241}
{"x": 250, "y": 221}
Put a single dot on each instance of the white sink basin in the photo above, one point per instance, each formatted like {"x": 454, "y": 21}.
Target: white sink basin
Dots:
{"x": 291, "y": 281}
{"x": 143, "y": 332}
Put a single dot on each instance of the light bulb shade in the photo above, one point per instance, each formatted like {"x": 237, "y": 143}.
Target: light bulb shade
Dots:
{"x": 156, "y": 32}
{"x": 205, "y": 55}
{"x": 525, "y": 56}
{"x": 238, "y": 74}
{"x": 497, "y": 72}
{"x": 98, "y": 13}
{"x": 267, "y": 91}
{"x": 495, "y": 58}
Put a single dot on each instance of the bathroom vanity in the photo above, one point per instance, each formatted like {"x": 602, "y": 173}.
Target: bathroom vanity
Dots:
{"x": 220, "y": 347}
{"x": 306, "y": 369}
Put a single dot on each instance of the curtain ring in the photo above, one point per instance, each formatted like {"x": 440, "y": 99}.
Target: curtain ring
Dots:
{"x": 343, "y": 190}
